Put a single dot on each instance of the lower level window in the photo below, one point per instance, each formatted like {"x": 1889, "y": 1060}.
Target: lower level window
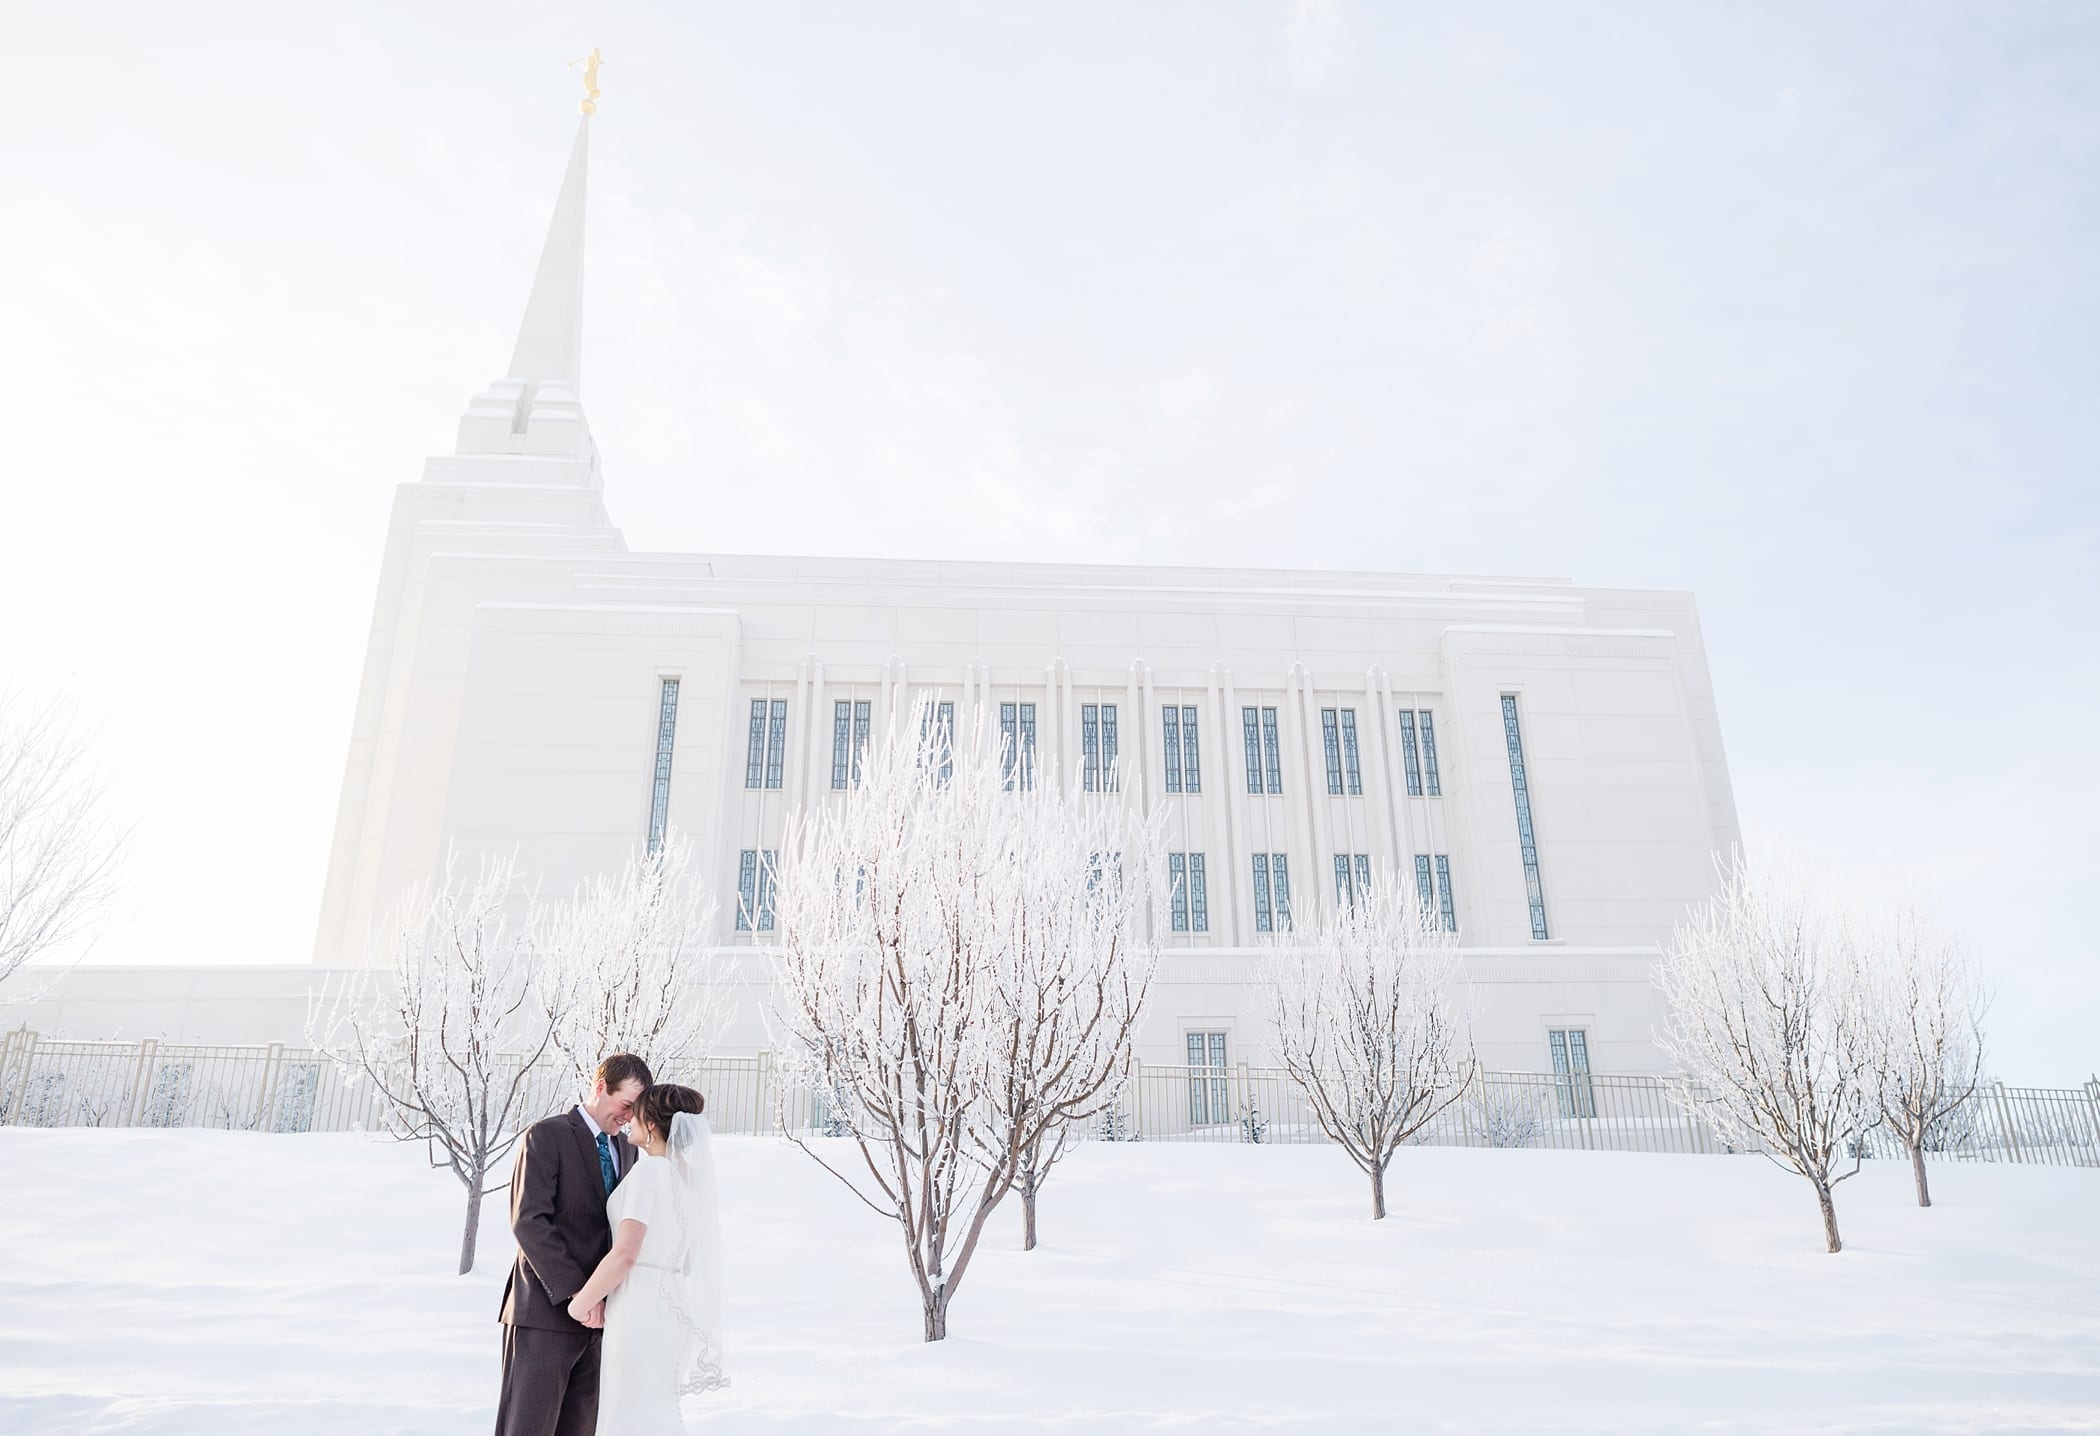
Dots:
{"x": 1571, "y": 1071}
{"x": 1190, "y": 903}
{"x": 1209, "y": 1099}
{"x": 754, "y": 890}
{"x": 1272, "y": 892}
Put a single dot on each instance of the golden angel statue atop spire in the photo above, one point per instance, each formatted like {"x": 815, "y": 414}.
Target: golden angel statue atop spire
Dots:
{"x": 589, "y": 103}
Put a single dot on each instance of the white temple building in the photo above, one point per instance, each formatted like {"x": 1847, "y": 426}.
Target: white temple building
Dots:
{"x": 1543, "y": 760}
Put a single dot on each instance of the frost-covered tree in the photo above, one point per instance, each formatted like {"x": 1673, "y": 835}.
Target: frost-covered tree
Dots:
{"x": 627, "y": 967}
{"x": 450, "y": 1030}
{"x": 1768, "y": 1025}
{"x": 923, "y": 989}
{"x": 62, "y": 859}
{"x": 1925, "y": 1025}
{"x": 1364, "y": 1017}
{"x": 1086, "y": 888}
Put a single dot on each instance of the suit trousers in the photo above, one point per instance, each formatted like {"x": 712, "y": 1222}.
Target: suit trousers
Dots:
{"x": 550, "y": 1382}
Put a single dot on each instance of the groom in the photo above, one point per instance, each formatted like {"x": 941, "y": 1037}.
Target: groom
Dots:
{"x": 567, "y": 1166}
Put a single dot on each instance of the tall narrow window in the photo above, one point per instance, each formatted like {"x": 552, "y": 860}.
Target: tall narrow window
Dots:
{"x": 1264, "y": 915}
{"x": 660, "y": 783}
{"x": 1352, "y": 878}
{"x": 1271, "y": 751}
{"x": 850, "y": 724}
{"x": 1345, "y": 772}
{"x": 1250, "y": 720}
{"x": 1097, "y": 746}
{"x": 1410, "y": 756}
{"x": 937, "y": 731}
{"x": 1425, "y": 886}
{"x": 1183, "y": 767}
{"x": 1280, "y": 885}
{"x": 1170, "y": 724}
{"x": 1571, "y": 1071}
{"x": 1210, "y": 1098}
{"x": 1189, "y": 903}
{"x": 1352, "y": 768}
{"x": 754, "y": 890}
{"x": 1331, "y": 744}
{"x": 1191, "y": 759}
{"x": 755, "y": 747}
{"x": 1444, "y": 908}
{"x": 765, "y": 756}
{"x": 1527, "y": 838}
{"x": 1017, "y": 727}
{"x": 1436, "y": 789}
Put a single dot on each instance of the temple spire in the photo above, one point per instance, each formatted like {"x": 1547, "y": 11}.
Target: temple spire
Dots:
{"x": 550, "y": 341}
{"x": 536, "y": 407}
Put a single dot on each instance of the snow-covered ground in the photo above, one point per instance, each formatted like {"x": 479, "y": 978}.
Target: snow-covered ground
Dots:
{"x": 219, "y": 1284}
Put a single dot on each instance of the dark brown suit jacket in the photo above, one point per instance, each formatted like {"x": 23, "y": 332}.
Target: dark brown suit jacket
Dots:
{"x": 557, "y": 1213}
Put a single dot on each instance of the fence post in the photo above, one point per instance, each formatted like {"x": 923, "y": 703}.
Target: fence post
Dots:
{"x": 2012, "y": 1136}
{"x": 21, "y": 1050}
{"x": 1137, "y": 1094}
{"x": 758, "y": 1093}
{"x": 141, "y": 1080}
{"x": 272, "y": 1074}
{"x": 2092, "y": 1099}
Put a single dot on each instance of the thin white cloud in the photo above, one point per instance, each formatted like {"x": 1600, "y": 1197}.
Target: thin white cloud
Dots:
{"x": 1316, "y": 42}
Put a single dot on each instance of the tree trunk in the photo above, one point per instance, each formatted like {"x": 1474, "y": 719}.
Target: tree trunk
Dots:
{"x": 1830, "y": 1217}
{"x": 937, "y": 1317}
{"x": 1917, "y": 1170}
{"x": 1378, "y": 1193}
{"x": 473, "y": 1232}
{"x": 1028, "y": 1217}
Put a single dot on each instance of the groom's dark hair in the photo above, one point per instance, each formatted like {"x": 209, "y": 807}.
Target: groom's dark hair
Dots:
{"x": 621, "y": 1068}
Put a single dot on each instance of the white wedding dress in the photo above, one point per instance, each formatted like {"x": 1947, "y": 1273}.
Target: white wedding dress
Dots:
{"x": 663, "y": 1324}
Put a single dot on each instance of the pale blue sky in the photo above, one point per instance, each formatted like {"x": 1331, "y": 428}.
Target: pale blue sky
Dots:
{"x": 1794, "y": 306}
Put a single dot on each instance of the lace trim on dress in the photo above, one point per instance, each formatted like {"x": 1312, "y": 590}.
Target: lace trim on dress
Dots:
{"x": 700, "y": 1363}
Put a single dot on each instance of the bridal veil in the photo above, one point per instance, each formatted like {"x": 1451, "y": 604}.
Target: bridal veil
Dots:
{"x": 693, "y": 1276}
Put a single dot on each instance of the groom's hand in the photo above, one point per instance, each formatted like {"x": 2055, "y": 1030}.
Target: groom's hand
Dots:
{"x": 592, "y": 1316}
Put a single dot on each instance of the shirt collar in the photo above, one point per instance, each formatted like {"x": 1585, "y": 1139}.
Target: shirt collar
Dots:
{"x": 590, "y": 1121}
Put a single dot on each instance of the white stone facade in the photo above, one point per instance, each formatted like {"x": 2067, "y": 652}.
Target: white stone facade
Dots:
{"x": 513, "y": 691}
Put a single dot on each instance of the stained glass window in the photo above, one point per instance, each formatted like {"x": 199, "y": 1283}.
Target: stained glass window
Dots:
{"x": 660, "y": 784}
{"x": 754, "y": 890}
{"x": 1527, "y": 839}
{"x": 1017, "y": 727}
{"x": 1410, "y": 758}
{"x": 765, "y": 754}
{"x": 1170, "y": 724}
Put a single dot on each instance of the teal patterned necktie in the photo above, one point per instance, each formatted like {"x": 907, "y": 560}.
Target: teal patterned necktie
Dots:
{"x": 605, "y": 1163}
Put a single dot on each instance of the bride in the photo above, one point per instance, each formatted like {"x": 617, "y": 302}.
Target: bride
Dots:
{"x": 662, "y": 1281}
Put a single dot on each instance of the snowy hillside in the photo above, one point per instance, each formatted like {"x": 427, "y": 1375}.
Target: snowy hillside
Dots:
{"x": 215, "y": 1284}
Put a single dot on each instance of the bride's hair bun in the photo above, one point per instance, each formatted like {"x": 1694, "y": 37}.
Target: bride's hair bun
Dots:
{"x": 658, "y": 1104}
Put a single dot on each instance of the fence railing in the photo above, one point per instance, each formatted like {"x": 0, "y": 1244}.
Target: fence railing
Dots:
{"x": 47, "y": 1083}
